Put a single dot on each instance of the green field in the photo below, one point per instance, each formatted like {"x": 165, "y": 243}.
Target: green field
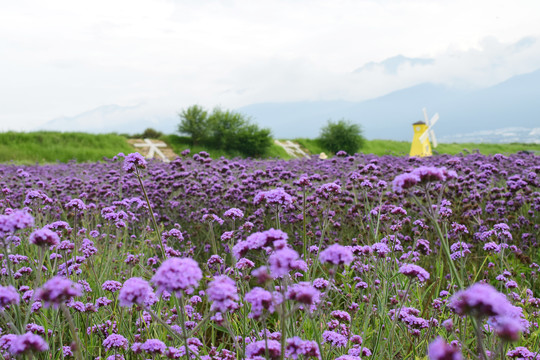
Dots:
{"x": 50, "y": 147}
{"x": 401, "y": 148}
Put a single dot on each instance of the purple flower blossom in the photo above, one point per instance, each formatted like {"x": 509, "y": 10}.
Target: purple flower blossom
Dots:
{"x": 27, "y": 343}
{"x": 8, "y": 296}
{"x": 115, "y": 341}
{"x": 260, "y": 300}
{"x": 244, "y": 264}
{"x": 336, "y": 254}
{"x": 380, "y": 249}
{"x": 405, "y": 181}
{"x": 152, "y": 346}
{"x": 296, "y": 347}
{"x": 258, "y": 349}
{"x": 334, "y": 338}
{"x": 111, "y": 285}
{"x": 327, "y": 189}
{"x": 304, "y": 293}
{"x": 341, "y": 315}
{"x": 14, "y": 221}
{"x": 440, "y": 350}
{"x": 508, "y": 328}
{"x": 275, "y": 196}
{"x": 134, "y": 291}
{"x": 480, "y": 300}
{"x": 414, "y": 271}
{"x": 283, "y": 261}
{"x": 58, "y": 290}
{"x": 44, "y": 237}
{"x": 177, "y": 274}
{"x": 133, "y": 161}
{"x": 223, "y": 293}
{"x": 234, "y": 213}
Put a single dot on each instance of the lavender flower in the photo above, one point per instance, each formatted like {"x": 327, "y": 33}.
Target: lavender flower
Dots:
{"x": 414, "y": 271}
{"x": 134, "y": 291}
{"x": 223, "y": 294}
{"x": 304, "y": 293}
{"x": 258, "y": 348}
{"x": 177, "y": 274}
{"x": 111, "y": 285}
{"x": 44, "y": 237}
{"x": 334, "y": 338}
{"x": 275, "y": 196}
{"x": 133, "y": 161}
{"x": 260, "y": 300}
{"x": 480, "y": 300}
{"x": 336, "y": 254}
{"x": 27, "y": 343}
{"x": 234, "y": 213}
{"x": 283, "y": 261}
{"x": 152, "y": 346}
{"x": 440, "y": 350}
{"x": 297, "y": 347}
{"x": 405, "y": 181}
{"x": 58, "y": 290}
{"x": 8, "y": 296}
{"x": 115, "y": 341}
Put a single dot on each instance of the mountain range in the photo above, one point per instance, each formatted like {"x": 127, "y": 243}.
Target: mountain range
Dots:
{"x": 506, "y": 112}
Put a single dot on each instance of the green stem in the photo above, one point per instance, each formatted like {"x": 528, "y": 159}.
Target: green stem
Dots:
{"x": 154, "y": 222}
{"x": 73, "y": 331}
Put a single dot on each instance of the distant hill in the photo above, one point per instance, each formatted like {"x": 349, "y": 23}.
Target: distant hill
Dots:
{"x": 510, "y": 104}
{"x": 492, "y": 114}
{"x": 116, "y": 118}
{"x": 391, "y": 65}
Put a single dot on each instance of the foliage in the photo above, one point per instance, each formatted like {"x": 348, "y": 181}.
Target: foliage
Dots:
{"x": 341, "y": 135}
{"x": 225, "y": 130}
{"x": 194, "y": 122}
{"x": 149, "y": 133}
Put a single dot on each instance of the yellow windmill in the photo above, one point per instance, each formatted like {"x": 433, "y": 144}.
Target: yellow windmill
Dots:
{"x": 423, "y": 132}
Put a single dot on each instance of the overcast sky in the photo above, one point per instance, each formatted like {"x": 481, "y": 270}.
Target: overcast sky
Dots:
{"x": 65, "y": 57}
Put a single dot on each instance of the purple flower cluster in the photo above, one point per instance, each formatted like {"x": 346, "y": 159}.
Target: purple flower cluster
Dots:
{"x": 337, "y": 255}
{"x": 223, "y": 293}
{"x": 133, "y": 161}
{"x": 135, "y": 291}
{"x": 414, "y": 271}
{"x": 57, "y": 291}
{"x": 177, "y": 275}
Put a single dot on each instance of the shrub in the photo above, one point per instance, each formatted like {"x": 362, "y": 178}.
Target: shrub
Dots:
{"x": 150, "y": 133}
{"x": 341, "y": 135}
{"x": 226, "y": 130}
{"x": 194, "y": 122}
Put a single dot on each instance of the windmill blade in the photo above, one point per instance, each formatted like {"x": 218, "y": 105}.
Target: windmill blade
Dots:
{"x": 433, "y": 138}
{"x": 434, "y": 120}
{"x": 425, "y": 116}
{"x": 424, "y": 136}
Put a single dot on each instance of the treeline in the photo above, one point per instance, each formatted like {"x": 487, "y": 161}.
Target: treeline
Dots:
{"x": 224, "y": 129}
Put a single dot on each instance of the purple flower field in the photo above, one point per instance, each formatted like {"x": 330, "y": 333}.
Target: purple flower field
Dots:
{"x": 354, "y": 257}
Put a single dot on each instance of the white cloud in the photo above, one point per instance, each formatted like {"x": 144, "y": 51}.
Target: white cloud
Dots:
{"x": 59, "y": 58}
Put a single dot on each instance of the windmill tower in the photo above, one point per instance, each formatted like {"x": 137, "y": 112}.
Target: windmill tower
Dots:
{"x": 423, "y": 133}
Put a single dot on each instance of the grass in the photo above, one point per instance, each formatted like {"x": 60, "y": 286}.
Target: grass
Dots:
{"x": 49, "y": 146}
{"x": 181, "y": 143}
{"x": 402, "y": 148}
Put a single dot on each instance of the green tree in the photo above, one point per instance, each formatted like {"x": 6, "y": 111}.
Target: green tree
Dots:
{"x": 233, "y": 131}
{"x": 252, "y": 141}
{"x": 194, "y": 122}
{"x": 224, "y": 127}
{"x": 341, "y": 135}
